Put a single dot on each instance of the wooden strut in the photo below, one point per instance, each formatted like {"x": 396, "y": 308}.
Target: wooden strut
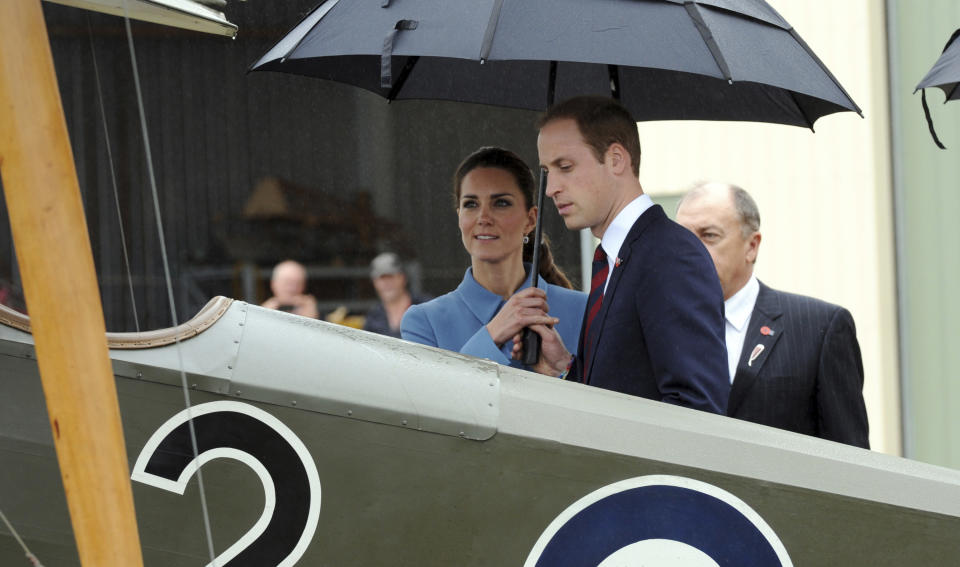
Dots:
{"x": 60, "y": 285}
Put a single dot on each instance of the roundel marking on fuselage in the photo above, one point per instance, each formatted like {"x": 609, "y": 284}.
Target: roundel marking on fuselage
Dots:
{"x": 659, "y": 520}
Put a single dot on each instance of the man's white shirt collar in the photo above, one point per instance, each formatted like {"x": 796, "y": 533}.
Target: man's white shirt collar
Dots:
{"x": 737, "y": 311}
{"x": 739, "y": 307}
{"x": 617, "y": 232}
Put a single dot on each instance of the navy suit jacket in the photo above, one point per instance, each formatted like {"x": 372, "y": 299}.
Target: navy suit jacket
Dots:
{"x": 808, "y": 376}
{"x": 661, "y": 328}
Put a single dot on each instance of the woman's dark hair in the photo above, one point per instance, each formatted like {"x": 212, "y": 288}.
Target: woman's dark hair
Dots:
{"x": 510, "y": 162}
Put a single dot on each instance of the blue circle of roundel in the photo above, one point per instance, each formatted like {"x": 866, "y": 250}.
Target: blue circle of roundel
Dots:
{"x": 674, "y": 513}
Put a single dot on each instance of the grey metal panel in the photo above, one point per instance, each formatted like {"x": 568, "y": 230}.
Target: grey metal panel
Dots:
{"x": 271, "y": 356}
{"x": 396, "y": 495}
{"x": 290, "y": 360}
{"x": 573, "y": 414}
{"x": 261, "y": 355}
{"x": 208, "y": 360}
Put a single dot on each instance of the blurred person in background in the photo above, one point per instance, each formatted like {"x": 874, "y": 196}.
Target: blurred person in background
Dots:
{"x": 393, "y": 290}
{"x": 289, "y": 284}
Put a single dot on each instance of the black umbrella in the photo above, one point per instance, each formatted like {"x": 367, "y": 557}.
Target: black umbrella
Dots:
{"x": 945, "y": 74}
{"x": 662, "y": 59}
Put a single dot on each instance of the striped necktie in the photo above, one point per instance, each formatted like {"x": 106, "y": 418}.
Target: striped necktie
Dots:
{"x": 600, "y": 270}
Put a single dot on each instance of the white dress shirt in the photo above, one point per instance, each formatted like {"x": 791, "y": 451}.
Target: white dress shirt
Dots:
{"x": 617, "y": 232}
{"x": 737, "y": 311}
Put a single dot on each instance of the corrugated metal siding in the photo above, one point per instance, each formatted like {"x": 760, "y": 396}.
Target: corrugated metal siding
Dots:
{"x": 215, "y": 130}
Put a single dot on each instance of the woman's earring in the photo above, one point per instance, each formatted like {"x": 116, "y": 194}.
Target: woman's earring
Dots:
{"x": 526, "y": 239}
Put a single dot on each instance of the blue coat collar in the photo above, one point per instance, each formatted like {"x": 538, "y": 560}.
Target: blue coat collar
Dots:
{"x": 482, "y": 302}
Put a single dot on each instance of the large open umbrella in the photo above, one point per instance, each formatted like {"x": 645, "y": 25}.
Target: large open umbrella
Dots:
{"x": 662, "y": 59}
{"x": 945, "y": 75}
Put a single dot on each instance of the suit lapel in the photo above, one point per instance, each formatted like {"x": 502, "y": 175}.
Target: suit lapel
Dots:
{"x": 763, "y": 333}
{"x": 646, "y": 219}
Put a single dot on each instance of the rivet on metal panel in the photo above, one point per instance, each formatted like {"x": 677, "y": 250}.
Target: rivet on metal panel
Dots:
{"x": 349, "y": 412}
{"x": 293, "y": 402}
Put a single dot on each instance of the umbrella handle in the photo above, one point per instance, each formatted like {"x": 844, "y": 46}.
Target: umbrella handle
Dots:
{"x": 531, "y": 340}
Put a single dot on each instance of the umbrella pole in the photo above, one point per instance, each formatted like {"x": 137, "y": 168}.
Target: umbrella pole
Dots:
{"x": 539, "y": 228}
{"x": 531, "y": 340}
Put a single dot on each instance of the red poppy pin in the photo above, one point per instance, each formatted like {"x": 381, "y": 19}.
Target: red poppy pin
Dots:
{"x": 617, "y": 263}
{"x": 766, "y": 331}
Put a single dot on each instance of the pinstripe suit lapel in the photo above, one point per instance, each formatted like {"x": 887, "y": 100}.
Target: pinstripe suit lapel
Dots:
{"x": 763, "y": 334}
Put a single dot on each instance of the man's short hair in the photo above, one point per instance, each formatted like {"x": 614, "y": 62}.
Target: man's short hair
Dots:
{"x": 746, "y": 209}
{"x": 747, "y": 212}
{"x": 602, "y": 121}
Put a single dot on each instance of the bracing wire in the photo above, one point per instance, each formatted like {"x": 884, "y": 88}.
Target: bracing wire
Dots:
{"x": 113, "y": 177}
{"x": 169, "y": 281}
{"x": 30, "y": 556}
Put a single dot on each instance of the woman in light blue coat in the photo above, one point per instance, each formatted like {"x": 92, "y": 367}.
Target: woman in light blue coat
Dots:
{"x": 494, "y": 192}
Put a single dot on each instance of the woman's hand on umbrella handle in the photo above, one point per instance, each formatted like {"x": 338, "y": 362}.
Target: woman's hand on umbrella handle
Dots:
{"x": 525, "y": 308}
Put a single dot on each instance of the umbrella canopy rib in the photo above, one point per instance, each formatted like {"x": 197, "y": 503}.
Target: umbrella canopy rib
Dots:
{"x": 551, "y": 84}
{"x": 952, "y": 94}
{"x": 945, "y": 73}
{"x": 491, "y": 30}
{"x": 755, "y": 9}
{"x": 614, "y": 71}
{"x": 292, "y": 40}
{"x": 694, "y": 12}
{"x": 402, "y": 79}
{"x": 793, "y": 97}
{"x": 803, "y": 44}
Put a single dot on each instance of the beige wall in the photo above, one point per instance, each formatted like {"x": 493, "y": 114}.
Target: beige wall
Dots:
{"x": 825, "y": 198}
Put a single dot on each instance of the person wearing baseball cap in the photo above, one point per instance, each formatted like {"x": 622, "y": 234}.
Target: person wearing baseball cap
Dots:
{"x": 390, "y": 281}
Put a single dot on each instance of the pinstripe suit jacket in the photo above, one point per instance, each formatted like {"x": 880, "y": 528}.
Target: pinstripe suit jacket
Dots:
{"x": 806, "y": 375}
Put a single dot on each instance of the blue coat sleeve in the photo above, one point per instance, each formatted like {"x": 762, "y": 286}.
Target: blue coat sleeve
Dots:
{"x": 481, "y": 345}
{"x": 415, "y": 326}
{"x": 418, "y": 326}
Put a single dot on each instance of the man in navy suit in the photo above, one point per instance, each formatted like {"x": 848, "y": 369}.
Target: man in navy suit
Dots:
{"x": 794, "y": 361}
{"x": 654, "y": 321}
